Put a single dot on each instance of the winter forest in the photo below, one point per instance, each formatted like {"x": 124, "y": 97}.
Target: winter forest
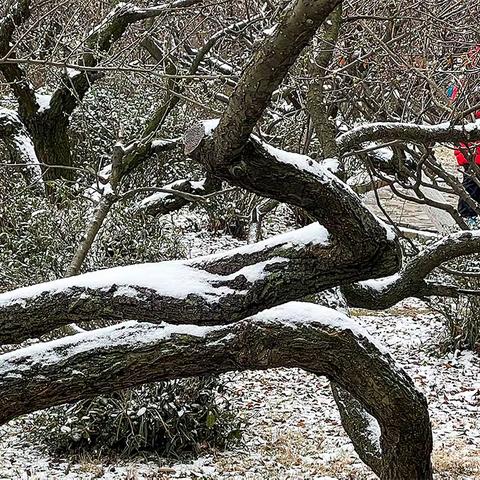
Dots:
{"x": 240, "y": 239}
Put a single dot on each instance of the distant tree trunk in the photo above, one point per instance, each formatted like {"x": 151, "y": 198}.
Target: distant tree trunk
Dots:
{"x": 52, "y": 145}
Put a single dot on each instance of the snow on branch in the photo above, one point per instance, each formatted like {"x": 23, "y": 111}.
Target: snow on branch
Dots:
{"x": 171, "y": 196}
{"x": 411, "y": 280}
{"x": 14, "y": 133}
{"x": 409, "y": 132}
{"x": 123, "y": 14}
{"x": 218, "y": 288}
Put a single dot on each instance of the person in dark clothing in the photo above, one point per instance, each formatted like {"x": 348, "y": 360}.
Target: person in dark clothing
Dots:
{"x": 464, "y": 209}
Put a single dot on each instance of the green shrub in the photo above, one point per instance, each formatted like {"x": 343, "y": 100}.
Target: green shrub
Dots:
{"x": 171, "y": 418}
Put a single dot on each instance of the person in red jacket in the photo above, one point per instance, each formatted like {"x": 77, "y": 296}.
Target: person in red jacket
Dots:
{"x": 467, "y": 156}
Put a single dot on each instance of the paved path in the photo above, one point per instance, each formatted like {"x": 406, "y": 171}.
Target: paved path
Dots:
{"x": 410, "y": 213}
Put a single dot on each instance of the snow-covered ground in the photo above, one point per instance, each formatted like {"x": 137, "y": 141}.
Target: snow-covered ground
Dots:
{"x": 292, "y": 427}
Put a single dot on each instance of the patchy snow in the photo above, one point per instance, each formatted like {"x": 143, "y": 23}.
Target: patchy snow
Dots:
{"x": 25, "y": 146}
{"x": 72, "y": 72}
{"x": 311, "y": 235}
{"x": 164, "y": 142}
{"x": 43, "y": 101}
{"x": 257, "y": 271}
{"x": 118, "y": 9}
{"x": 210, "y": 125}
{"x": 446, "y": 127}
{"x": 373, "y": 431}
{"x": 301, "y": 162}
{"x": 162, "y": 196}
{"x": 269, "y": 31}
{"x": 330, "y": 164}
{"x": 292, "y": 426}
{"x": 23, "y": 142}
{"x": 176, "y": 279}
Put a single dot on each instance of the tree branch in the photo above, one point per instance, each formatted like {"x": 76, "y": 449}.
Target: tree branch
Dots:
{"x": 409, "y": 132}
{"x": 410, "y": 281}
{"x": 298, "y": 335}
{"x": 264, "y": 73}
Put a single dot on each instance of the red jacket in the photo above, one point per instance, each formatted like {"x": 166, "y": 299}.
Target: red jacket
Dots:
{"x": 464, "y": 152}
{"x": 468, "y": 152}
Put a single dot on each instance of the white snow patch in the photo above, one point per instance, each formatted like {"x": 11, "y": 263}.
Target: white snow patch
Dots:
{"x": 301, "y": 162}
{"x": 43, "y": 101}
{"x": 269, "y": 31}
{"x": 172, "y": 279}
{"x": 210, "y": 125}
{"x": 297, "y": 314}
{"x": 313, "y": 234}
{"x": 381, "y": 284}
{"x": 176, "y": 279}
{"x": 72, "y": 72}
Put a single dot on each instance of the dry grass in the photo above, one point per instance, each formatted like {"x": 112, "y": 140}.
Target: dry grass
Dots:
{"x": 455, "y": 464}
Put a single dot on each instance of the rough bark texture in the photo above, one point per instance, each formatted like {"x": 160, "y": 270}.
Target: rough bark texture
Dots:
{"x": 264, "y": 73}
{"x": 411, "y": 280}
{"x": 358, "y": 247}
{"x": 87, "y": 364}
{"x": 291, "y": 270}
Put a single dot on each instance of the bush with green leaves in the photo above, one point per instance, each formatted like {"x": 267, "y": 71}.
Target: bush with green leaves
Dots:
{"x": 181, "y": 417}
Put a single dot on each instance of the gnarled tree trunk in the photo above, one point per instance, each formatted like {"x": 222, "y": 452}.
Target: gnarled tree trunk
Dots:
{"x": 295, "y": 335}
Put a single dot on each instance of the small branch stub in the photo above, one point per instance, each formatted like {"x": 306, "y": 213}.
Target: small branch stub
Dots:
{"x": 193, "y": 137}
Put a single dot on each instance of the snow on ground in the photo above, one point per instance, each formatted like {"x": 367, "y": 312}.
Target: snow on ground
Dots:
{"x": 293, "y": 429}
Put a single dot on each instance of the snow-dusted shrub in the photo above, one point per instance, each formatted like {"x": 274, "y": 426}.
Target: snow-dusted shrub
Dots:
{"x": 229, "y": 213}
{"x": 462, "y": 314}
{"x": 170, "y": 418}
{"x": 462, "y": 322}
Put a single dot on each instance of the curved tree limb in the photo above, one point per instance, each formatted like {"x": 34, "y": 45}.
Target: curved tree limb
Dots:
{"x": 296, "y": 335}
{"x": 408, "y": 132}
{"x": 208, "y": 290}
{"x": 410, "y": 281}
